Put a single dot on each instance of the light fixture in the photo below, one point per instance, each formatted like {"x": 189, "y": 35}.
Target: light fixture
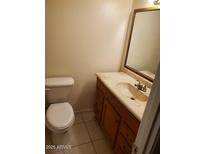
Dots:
{"x": 156, "y": 2}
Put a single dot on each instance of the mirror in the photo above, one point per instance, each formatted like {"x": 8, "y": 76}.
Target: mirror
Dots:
{"x": 143, "y": 52}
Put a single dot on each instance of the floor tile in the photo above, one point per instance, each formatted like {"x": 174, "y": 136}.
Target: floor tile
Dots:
{"x": 77, "y": 135}
{"x": 94, "y": 130}
{"x": 88, "y": 116}
{"x": 103, "y": 147}
{"x": 54, "y": 152}
{"x": 82, "y": 149}
{"x": 48, "y": 141}
{"x": 47, "y": 136}
{"x": 59, "y": 152}
{"x": 78, "y": 118}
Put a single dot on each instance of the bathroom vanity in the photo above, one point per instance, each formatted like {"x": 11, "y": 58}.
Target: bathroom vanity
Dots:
{"x": 119, "y": 109}
{"x": 120, "y": 98}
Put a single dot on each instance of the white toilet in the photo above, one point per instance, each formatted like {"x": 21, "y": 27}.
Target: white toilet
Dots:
{"x": 59, "y": 115}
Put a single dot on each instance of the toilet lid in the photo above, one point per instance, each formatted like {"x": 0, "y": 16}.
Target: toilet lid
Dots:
{"x": 60, "y": 115}
{"x": 59, "y": 82}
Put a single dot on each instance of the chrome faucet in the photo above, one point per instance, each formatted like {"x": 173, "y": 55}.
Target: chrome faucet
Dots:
{"x": 141, "y": 86}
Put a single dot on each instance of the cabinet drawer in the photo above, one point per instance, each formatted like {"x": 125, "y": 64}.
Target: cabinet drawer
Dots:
{"x": 100, "y": 85}
{"x": 127, "y": 133}
{"x": 122, "y": 145}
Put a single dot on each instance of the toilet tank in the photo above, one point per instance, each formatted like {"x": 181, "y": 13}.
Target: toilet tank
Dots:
{"x": 58, "y": 89}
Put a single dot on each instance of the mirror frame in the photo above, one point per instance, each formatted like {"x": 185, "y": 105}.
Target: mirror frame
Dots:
{"x": 129, "y": 40}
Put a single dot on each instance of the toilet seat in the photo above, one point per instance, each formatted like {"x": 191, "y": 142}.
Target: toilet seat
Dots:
{"x": 60, "y": 116}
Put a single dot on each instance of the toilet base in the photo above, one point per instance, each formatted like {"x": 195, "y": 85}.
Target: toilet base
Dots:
{"x": 60, "y": 138}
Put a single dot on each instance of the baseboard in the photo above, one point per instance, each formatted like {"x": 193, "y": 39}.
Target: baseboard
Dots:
{"x": 83, "y": 110}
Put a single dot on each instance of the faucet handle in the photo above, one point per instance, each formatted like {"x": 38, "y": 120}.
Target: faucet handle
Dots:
{"x": 144, "y": 88}
{"x": 137, "y": 84}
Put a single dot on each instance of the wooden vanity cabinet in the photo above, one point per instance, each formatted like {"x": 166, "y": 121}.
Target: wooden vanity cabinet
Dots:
{"x": 110, "y": 121}
{"x": 118, "y": 124}
{"x": 99, "y": 104}
{"x": 122, "y": 146}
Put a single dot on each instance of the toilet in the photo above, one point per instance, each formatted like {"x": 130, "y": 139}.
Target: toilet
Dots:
{"x": 59, "y": 114}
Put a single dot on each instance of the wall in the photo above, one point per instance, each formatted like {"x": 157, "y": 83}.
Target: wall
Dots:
{"x": 137, "y": 4}
{"x": 84, "y": 37}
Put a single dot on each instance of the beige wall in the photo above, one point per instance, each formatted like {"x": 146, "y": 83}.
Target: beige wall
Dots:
{"x": 84, "y": 37}
{"x": 137, "y": 4}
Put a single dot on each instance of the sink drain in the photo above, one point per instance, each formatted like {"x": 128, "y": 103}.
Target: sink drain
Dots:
{"x": 132, "y": 98}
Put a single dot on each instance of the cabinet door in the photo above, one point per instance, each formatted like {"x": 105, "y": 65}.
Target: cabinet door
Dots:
{"x": 127, "y": 133}
{"x": 99, "y": 104}
{"x": 111, "y": 121}
{"x": 122, "y": 145}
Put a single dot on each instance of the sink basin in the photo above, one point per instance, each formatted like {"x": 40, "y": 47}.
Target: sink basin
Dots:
{"x": 131, "y": 92}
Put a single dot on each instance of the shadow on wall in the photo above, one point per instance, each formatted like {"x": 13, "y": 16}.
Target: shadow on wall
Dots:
{"x": 85, "y": 99}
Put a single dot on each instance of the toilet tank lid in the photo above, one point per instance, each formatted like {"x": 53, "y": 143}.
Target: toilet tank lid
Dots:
{"x": 59, "y": 81}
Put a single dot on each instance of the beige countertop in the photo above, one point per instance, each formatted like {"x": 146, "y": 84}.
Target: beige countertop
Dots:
{"x": 112, "y": 79}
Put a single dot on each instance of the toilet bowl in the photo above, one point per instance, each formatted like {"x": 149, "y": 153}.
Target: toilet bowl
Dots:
{"x": 59, "y": 117}
{"x": 59, "y": 114}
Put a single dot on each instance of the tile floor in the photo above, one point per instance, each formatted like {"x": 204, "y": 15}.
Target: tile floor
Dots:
{"x": 85, "y": 137}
